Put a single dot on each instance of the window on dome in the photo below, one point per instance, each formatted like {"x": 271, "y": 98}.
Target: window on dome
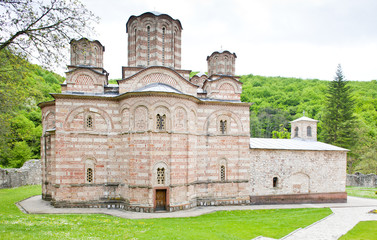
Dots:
{"x": 149, "y": 40}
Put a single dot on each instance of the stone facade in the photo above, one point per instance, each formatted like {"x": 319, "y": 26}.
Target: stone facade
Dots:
{"x": 159, "y": 140}
{"x": 362, "y": 180}
{"x": 28, "y": 174}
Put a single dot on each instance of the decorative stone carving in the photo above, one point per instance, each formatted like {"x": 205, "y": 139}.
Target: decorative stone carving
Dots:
{"x": 141, "y": 118}
{"x": 180, "y": 119}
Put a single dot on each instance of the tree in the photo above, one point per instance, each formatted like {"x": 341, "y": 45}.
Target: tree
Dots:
{"x": 282, "y": 133}
{"x": 34, "y": 28}
{"x": 39, "y": 29}
{"x": 338, "y": 118}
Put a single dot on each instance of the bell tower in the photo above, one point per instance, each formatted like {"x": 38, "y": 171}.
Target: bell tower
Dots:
{"x": 304, "y": 128}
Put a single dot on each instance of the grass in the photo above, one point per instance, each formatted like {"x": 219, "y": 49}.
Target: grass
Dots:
{"x": 363, "y": 230}
{"x": 219, "y": 225}
{"x": 362, "y": 192}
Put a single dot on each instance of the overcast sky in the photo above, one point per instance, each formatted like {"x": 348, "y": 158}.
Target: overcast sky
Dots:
{"x": 288, "y": 38}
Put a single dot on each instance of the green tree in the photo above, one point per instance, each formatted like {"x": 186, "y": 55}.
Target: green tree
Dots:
{"x": 338, "y": 119}
{"x": 19, "y": 154}
{"x": 38, "y": 29}
{"x": 282, "y": 133}
{"x": 22, "y": 86}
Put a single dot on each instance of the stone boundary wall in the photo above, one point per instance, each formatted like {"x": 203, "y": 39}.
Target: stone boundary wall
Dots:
{"x": 362, "y": 180}
{"x": 29, "y": 174}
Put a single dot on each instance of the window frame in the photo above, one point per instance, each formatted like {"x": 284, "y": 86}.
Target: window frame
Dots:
{"x": 161, "y": 122}
{"x": 222, "y": 173}
{"x": 275, "y": 182}
{"x": 296, "y": 132}
{"x": 161, "y": 176}
{"x": 309, "y": 131}
{"x": 89, "y": 175}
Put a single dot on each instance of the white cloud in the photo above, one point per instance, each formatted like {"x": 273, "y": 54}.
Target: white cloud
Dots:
{"x": 292, "y": 38}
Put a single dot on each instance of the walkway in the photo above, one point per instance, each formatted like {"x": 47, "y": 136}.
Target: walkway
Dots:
{"x": 345, "y": 215}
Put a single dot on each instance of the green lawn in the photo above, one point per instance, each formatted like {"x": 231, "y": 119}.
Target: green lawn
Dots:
{"x": 363, "y": 230}
{"x": 362, "y": 192}
{"x": 219, "y": 225}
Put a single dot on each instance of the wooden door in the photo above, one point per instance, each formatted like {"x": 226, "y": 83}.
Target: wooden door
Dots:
{"x": 160, "y": 199}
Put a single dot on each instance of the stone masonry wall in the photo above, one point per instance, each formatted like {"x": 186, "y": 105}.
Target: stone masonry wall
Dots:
{"x": 362, "y": 180}
{"x": 297, "y": 172}
{"x": 28, "y": 174}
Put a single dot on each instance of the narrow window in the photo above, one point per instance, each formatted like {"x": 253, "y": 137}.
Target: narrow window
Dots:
{"x": 89, "y": 175}
{"x": 275, "y": 182}
{"x": 217, "y": 66}
{"x": 173, "y": 48}
{"x": 89, "y": 122}
{"x": 160, "y": 175}
{"x": 149, "y": 36}
{"x": 223, "y": 126}
{"x": 163, "y": 46}
{"x": 135, "y": 45}
{"x": 296, "y": 132}
{"x": 48, "y": 143}
{"x": 222, "y": 173}
{"x": 160, "y": 122}
{"x": 309, "y": 131}
{"x": 226, "y": 67}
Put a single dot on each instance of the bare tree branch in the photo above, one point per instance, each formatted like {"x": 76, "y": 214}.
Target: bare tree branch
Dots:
{"x": 38, "y": 30}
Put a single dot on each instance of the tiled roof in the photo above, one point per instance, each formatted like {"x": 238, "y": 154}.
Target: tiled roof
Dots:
{"x": 292, "y": 144}
{"x": 305, "y": 119}
{"x": 158, "y": 87}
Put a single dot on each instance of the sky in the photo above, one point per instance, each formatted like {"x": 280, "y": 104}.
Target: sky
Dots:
{"x": 287, "y": 38}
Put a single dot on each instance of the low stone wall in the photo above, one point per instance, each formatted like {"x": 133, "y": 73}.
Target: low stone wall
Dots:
{"x": 339, "y": 197}
{"x": 362, "y": 180}
{"x": 29, "y": 174}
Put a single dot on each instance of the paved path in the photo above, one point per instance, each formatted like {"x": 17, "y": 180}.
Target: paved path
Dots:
{"x": 345, "y": 217}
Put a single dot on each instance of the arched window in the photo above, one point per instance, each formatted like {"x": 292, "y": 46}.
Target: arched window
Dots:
{"x": 89, "y": 122}
{"x": 223, "y": 126}
{"x": 226, "y": 66}
{"x": 163, "y": 46}
{"x": 48, "y": 142}
{"x": 135, "y": 39}
{"x": 173, "y": 48}
{"x": 275, "y": 182}
{"x": 309, "y": 131}
{"x": 149, "y": 40}
{"x": 161, "y": 122}
{"x": 217, "y": 66}
{"x": 222, "y": 173}
{"x": 89, "y": 175}
{"x": 296, "y": 132}
{"x": 160, "y": 175}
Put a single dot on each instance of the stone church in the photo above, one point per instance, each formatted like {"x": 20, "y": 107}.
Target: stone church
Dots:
{"x": 160, "y": 140}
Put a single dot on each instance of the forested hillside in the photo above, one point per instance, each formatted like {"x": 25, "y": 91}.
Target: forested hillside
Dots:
{"x": 22, "y": 87}
{"x": 277, "y": 101}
